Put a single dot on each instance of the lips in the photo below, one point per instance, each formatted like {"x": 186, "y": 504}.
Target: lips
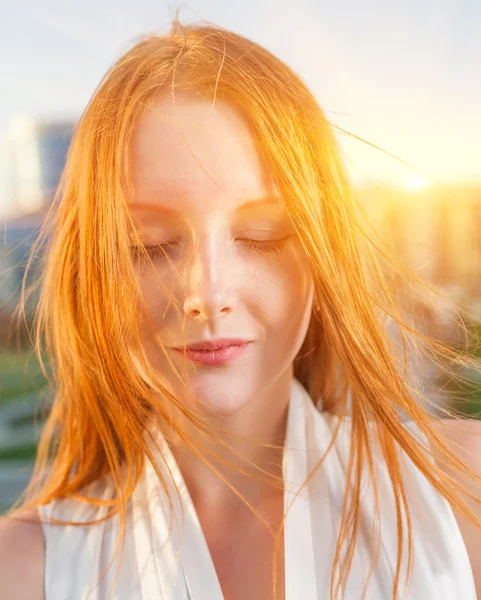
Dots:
{"x": 214, "y": 344}
{"x": 214, "y": 352}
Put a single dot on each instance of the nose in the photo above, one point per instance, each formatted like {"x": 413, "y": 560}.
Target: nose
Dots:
{"x": 209, "y": 283}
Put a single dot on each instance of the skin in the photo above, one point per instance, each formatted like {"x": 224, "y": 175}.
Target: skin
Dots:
{"x": 226, "y": 289}
{"x": 464, "y": 439}
{"x": 237, "y": 271}
{"x": 230, "y": 272}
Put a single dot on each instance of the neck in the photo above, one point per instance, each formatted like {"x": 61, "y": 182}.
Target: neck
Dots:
{"x": 263, "y": 420}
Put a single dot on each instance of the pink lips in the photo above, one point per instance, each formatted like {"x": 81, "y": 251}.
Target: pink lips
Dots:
{"x": 216, "y": 352}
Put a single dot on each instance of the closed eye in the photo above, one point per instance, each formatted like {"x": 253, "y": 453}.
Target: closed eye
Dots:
{"x": 266, "y": 246}
{"x": 259, "y": 246}
{"x": 163, "y": 249}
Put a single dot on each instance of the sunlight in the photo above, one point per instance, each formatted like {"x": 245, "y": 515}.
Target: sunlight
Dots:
{"x": 415, "y": 182}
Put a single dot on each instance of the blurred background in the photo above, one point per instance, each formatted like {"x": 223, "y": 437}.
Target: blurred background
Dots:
{"x": 401, "y": 77}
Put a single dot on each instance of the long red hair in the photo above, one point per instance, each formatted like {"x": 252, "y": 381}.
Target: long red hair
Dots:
{"x": 87, "y": 315}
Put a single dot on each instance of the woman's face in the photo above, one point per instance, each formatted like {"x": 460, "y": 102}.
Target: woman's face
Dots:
{"x": 234, "y": 264}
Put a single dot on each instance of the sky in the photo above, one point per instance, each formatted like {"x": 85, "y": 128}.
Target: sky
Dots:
{"x": 405, "y": 76}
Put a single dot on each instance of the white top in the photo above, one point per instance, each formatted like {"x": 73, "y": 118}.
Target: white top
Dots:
{"x": 77, "y": 556}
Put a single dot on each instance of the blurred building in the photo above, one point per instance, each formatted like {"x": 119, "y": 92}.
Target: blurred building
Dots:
{"x": 37, "y": 155}
{"x": 18, "y": 237}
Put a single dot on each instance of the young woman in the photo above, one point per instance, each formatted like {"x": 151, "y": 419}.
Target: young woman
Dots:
{"x": 230, "y": 418}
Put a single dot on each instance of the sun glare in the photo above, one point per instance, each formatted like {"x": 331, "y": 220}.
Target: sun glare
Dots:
{"x": 415, "y": 183}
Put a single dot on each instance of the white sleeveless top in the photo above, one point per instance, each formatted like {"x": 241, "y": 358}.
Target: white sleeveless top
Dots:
{"x": 77, "y": 556}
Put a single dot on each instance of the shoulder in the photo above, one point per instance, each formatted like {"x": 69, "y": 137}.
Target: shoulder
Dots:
{"x": 22, "y": 558}
{"x": 466, "y": 432}
{"x": 464, "y": 440}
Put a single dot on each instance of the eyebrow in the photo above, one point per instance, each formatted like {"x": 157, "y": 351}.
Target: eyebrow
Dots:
{"x": 251, "y": 204}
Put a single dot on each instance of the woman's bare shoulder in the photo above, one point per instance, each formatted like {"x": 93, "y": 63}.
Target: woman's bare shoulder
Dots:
{"x": 464, "y": 439}
{"x": 22, "y": 559}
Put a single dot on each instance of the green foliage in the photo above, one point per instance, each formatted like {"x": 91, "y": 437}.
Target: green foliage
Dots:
{"x": 24, "y": 452}
{"x": 19, "y": 375}
{"x": 465, "y": 395}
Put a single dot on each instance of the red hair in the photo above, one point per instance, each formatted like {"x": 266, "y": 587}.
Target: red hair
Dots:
{"x": 87, "y": 315}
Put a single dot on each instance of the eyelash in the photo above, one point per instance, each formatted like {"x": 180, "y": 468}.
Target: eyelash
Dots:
{"x": 152, "y": 251}
{"x": 258, "y": 246}
{"x": 266, "y": 246}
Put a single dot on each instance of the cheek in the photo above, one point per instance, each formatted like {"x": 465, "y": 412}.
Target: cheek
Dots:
{"x": 282, "y": 297}
{"x": 155, "y": 289}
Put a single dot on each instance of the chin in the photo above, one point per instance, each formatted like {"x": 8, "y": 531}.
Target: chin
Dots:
{"x": 223, "y": 396}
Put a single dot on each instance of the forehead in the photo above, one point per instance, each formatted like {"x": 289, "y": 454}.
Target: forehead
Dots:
{"x": 196, "y": 157}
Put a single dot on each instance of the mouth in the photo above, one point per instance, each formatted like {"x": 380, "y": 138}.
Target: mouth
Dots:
{"x": 214, "y": 352}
